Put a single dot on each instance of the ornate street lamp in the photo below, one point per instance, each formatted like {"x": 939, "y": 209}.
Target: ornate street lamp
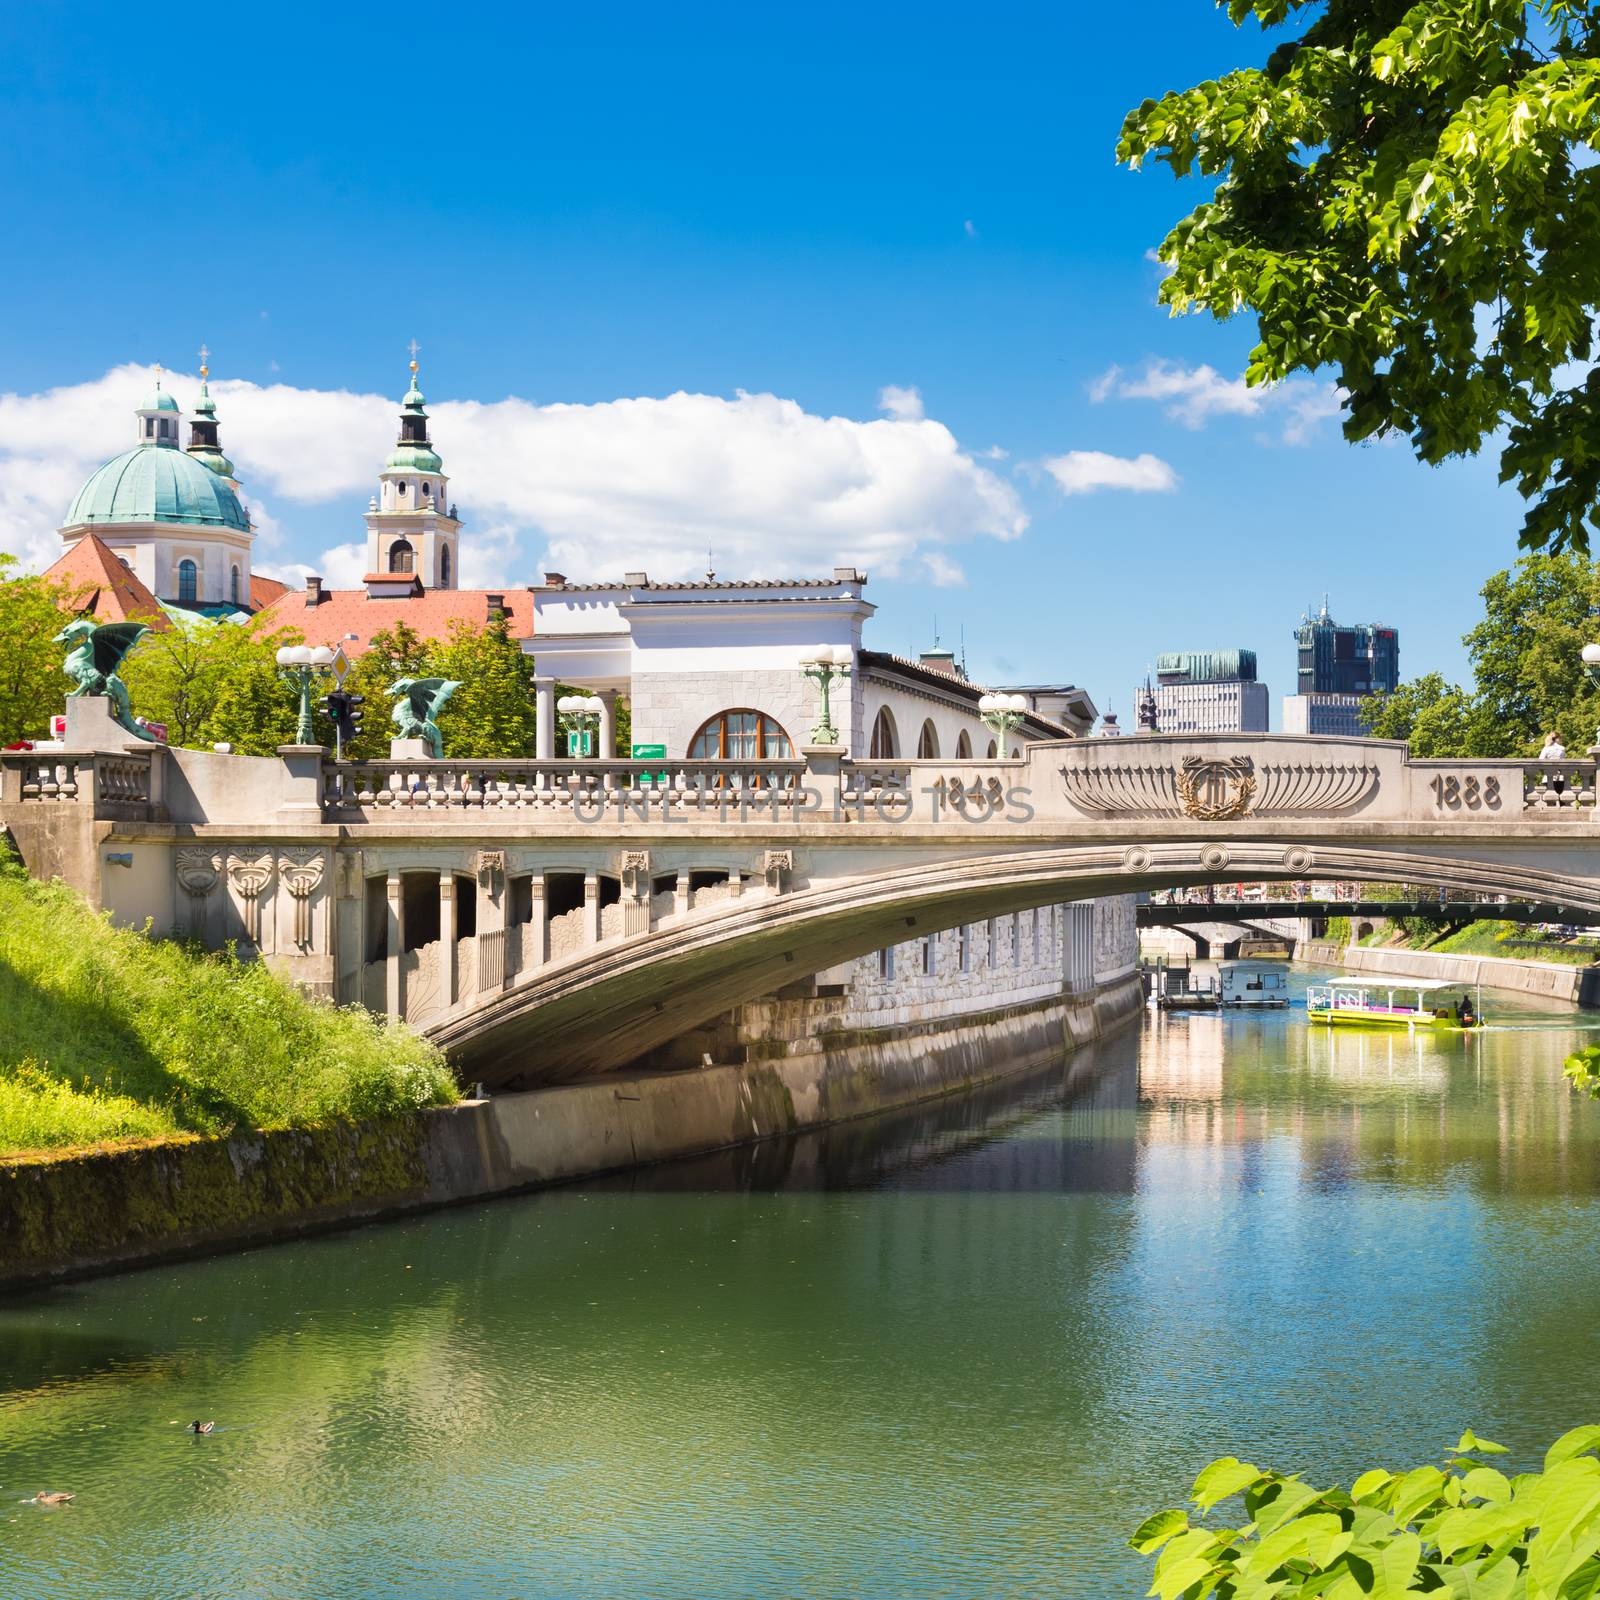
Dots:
{"x": 1001, "y": 713}
{"x": 302, "y": 666}
{"x": 822, "y": 666}
{"x": 576, "y": 711}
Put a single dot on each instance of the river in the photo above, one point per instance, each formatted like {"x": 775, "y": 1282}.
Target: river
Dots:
{"x": 955, "y": 1353}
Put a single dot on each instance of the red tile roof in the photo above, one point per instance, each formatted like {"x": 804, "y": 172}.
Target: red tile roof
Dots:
{"x": 263, "y": 591}
{"x": 346, "y": 611}
{"x": 97, "y": 584}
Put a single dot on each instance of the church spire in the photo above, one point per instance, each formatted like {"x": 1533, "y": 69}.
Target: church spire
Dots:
{"x": 205, "y": 442}
{"x": 411, "y": 525}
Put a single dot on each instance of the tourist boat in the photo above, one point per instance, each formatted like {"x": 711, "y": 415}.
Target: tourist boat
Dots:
{"x": 1259, "y": 985}
{"x": 1411, "y": 1004}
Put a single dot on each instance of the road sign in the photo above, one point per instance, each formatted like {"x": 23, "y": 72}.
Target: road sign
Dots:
{"x": 650, "y": 752}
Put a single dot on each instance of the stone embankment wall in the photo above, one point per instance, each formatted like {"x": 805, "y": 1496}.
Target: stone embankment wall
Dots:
{"x": 128, "y": 1207}
{"x": 1545, "y": 980}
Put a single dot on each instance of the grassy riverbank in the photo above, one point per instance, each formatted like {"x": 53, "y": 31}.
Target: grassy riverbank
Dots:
{"x": 110, "y": 1036}
{"x": 1512, "y": 941}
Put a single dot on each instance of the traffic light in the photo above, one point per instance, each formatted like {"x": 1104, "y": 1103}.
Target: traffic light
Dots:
{"x": 343, "y": 710}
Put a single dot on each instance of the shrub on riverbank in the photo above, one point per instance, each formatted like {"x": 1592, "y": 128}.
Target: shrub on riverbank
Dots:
{"x": 1461, "y": 1529}
{"x": 112, "y": 1035}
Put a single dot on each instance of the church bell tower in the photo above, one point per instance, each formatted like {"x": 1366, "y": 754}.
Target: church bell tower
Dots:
{"x": 411, "y": 526}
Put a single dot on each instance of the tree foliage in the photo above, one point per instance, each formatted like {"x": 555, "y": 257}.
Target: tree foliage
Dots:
{"x": 490, "y": 716}
{"x": 1463, "y": 1529}
{"x": 32, "y": 688}
{"x": 1527, "y": 659}
{"x": 212, "y": 682}
{"x": 1406, "y": 194}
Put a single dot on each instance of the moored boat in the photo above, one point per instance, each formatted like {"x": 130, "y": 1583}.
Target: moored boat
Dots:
{"x": 1257, "y": 985}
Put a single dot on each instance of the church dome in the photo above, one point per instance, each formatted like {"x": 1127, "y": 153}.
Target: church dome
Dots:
{"x": 407, "y": 457}
{"x": 159, "y": 401}
{"x": 151, "y": 484}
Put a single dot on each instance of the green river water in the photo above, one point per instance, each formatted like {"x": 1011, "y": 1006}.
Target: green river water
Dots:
{"x": 955, "y": 1353}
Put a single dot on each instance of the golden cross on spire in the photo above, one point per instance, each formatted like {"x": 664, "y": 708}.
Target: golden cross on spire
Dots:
{"x": 205, "y": 356}
{"x": 414, "y": 347}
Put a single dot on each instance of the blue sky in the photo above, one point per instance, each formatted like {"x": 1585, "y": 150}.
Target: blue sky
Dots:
{"x": 584, "y": 205}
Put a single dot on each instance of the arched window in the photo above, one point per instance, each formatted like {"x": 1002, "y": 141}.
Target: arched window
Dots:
{"x": 400, "y": 488}
{"x": 444, "y": 566}
{"x": 963, "y": 747}
{"x": 885, "y": 739}
{"x": 424, "y": 488}
{"x": 990, "y": 756}
{"x": 1016, "y": 754}
{"x": 188, "y": 583}
{"x": 741, "y": 736}
{"x": 401, "y": 556}
{"x": 928, "y": 742}
{"x": 233, "y": 585}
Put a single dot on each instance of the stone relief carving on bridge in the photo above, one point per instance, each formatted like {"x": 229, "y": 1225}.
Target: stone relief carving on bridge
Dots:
{"x": 250, "y": 875}
{"x": 779, "y": 870}
{"x": 302, "y": 872}
{"x": 198, "y": 870}
{"x": 1218, "y": 789}
{"x": 491, "y": 871}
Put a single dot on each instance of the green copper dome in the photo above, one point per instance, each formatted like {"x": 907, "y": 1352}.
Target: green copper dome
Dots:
{"x": 154, "y": 484}
{"x": 159, "y": 401}
{"x": 414, "y": 458}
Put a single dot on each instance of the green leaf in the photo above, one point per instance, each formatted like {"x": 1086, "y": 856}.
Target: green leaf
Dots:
{"x": 1484, "y": 1483}
{"x": 1225, "y": 1476}
{"x": 1369, "y": 1482}
{"x": 1154, "y": 1531}
{"x": 1470, "y": 1441}
{"x": 1576, "y": 1440}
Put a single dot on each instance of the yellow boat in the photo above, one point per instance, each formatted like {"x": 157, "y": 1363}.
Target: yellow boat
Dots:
{"x": 1387, "y": 1005}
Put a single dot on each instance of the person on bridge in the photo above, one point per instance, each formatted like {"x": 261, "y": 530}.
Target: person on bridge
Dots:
{"x": 1553, "y": 750}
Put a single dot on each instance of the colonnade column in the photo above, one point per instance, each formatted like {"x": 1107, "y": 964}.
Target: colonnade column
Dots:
{"x": 544, "y": 705}
{"x": 591, "y": 908}
{"x": 447, "y": 936}
{"x": 538, "y": 945}
{"x": 608, "y": 724}
{"x": 393, "y": 942}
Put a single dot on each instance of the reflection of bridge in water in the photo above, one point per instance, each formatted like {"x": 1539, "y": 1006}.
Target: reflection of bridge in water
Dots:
{"x": 548, "y": 919}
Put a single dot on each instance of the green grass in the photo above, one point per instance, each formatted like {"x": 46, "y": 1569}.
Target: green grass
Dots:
{"x": 110, "y": 1035}
{"x": 1515, "y": 941}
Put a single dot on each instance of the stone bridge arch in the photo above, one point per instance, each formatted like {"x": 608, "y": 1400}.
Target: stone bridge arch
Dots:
{"x": 613, "y": 1003}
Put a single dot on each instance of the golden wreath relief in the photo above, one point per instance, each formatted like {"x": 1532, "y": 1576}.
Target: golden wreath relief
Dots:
{"x": 1217, "y": 790}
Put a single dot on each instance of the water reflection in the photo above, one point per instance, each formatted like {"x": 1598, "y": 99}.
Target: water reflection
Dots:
{"x": 954, "y": 1352}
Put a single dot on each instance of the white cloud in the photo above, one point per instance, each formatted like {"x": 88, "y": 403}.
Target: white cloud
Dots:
{"x": 1085, "y": 471}
{"x": 1194, "y": 395}
{"x": 596, "y": 489}
{"x": 970, "y": 228}
{"x": 942, "y": 572}
{"x": 904, "y": 405}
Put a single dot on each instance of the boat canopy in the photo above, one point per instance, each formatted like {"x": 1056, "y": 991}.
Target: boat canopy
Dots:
{"x": 1408, "y": 985}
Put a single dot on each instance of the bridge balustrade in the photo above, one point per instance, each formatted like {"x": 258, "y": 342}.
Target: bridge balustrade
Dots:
{"x": 117, "y": 786}
{"x": 713, "y": 788}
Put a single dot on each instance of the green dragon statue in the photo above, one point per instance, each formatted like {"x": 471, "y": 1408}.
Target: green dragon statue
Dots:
{"x": 419, "y": 702}
{"x": 95, "y": 653}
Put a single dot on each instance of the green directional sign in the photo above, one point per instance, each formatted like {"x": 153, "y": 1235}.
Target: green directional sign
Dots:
{"x": 650, "y": 752}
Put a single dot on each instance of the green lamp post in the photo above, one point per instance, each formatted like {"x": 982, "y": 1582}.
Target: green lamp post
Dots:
{"x": 825, "y": 664}
{"x": 301, "y": 666}
{"x": 1001, "y": 713}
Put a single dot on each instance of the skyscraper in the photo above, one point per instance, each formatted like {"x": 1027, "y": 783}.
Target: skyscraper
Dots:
{"x": 1339, "y": 666}
{"x": 1206, "y": 691}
